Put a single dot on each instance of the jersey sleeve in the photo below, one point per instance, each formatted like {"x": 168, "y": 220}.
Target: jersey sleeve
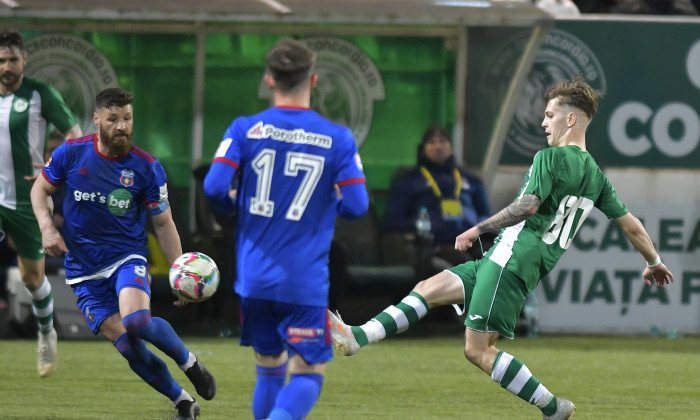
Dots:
{"x": 609, "y": 203}
{"x": 55, "y": 110}
{"x": 351, "y": 179}
{"x": 156, "y": 194}
{"x": 541, "y": 175}
{"x": 350, "y": 165}
{"x": 55, "y": 170}
{"x": 224, "y": 165}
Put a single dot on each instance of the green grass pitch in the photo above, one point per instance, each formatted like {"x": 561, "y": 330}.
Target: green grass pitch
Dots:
{"x": 399, "y": 378}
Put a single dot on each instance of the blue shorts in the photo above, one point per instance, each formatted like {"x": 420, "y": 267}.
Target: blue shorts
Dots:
{"x": 273, "y": 327}
{"x": 98, "y": 299}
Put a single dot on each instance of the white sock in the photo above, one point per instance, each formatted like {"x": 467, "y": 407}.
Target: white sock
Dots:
{"x": 544, "y": 399}
{"x": 43, "y": 290}
{"x": 42, "y": 306}
{"x": 374, "y": 330}
{"x": 184, "y": 396}
{"x": 396, "y": 318}
{"x": 190, "y": 362}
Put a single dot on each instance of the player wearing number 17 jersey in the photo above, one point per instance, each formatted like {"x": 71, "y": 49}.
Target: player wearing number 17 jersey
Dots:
{"x": 561, "y": 188}
{"x": 298, "y": 171}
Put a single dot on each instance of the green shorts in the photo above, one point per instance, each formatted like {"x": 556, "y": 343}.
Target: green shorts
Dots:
{"x": 22, "y": 227}
{"x": 494, "y": 296}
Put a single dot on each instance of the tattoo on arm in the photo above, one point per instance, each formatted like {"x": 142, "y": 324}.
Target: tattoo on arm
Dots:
{"x": 515, "y": 213}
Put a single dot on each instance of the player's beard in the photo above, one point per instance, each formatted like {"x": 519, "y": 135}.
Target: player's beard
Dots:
{"x": 116, "y": 145}
{"x": 9, "y": 79}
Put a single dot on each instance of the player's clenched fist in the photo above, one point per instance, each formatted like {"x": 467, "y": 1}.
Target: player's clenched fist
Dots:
{"x": 466, "y": 239}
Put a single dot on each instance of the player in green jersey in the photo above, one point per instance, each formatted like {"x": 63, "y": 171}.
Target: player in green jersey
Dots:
{"x": 27, "y": 106}
{"x": 561, "y": 188}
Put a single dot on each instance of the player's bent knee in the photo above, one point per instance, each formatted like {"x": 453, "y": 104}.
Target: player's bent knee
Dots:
{"x": 139, "y": 323}
{"x": 475, "y": 354}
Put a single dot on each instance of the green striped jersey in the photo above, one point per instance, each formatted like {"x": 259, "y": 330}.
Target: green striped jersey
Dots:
{"x": 569, "y": 184}
{"x": 23, "y": 118}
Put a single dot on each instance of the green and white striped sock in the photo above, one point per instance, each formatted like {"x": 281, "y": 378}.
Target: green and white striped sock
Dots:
{"x": 393, "y": 320}
{"x": 515, "y": 377}
{"x": 42, "y": 306}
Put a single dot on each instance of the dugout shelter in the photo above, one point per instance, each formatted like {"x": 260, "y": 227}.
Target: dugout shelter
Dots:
{"x": 429, "y": 53}
{"x": 393, "y": 68}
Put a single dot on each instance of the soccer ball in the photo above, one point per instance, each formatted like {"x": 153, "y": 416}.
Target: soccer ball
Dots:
{"x": 194, "y": 277}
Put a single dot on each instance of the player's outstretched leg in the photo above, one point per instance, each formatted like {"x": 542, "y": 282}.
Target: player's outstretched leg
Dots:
{"x": 155, "y": 373}
{"x": 160, "y": 333}
{"x": 395, "y": 319}
{"x": 515, "y": 377}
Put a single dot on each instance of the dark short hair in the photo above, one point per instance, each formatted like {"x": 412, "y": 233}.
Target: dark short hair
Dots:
{"x": 435, "y": 131}
{"x": 290, "y": 63}
{"x": 576, "y": 93}
{"x": 432, "y": 131}
{"x": 12, "y": 39}
{"x": 113, "y": 97}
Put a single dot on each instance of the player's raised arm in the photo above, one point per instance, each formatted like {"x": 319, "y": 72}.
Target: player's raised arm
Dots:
{"x": 635, "y": 232}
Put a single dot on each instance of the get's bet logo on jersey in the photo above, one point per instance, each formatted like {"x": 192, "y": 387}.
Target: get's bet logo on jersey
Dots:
{"x": 118, "y": 201}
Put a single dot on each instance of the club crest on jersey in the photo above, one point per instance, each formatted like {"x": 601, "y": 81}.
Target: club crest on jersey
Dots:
{"x": 127, "y": 178}
{"x": 20, "y": 105}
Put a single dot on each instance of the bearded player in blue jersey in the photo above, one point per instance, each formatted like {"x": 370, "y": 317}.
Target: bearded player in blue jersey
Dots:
{"x": 297, "y": 172}
{"x": 110, "y": 186}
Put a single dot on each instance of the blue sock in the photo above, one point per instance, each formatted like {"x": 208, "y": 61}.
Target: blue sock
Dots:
{"x": 158, "y": 332}
{"x": 147, "y": 365}
{"x": 270, "y": 381}
{"x": 295, "y": 401}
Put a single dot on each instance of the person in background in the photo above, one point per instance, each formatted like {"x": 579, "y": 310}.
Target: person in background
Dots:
{"x": 27, "y": 106}
{"x": 110, "y": 187}
{"x": 455, "y": 198}
{"x": 561, "y": 188}
{"x": 298, "y": 170}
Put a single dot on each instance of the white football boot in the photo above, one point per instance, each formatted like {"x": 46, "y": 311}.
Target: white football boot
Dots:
{"x": 343, "y": 339}
{"x": 48, "y": 353}
{"x": 565, "y": 410}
